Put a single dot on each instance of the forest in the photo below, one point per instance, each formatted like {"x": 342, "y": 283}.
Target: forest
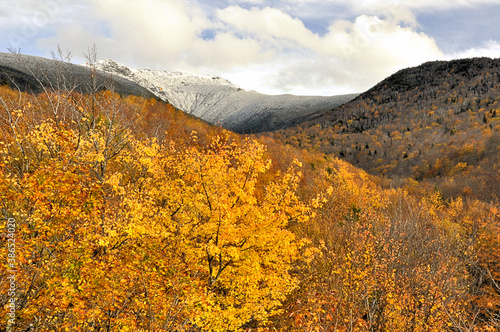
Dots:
{"x": 437, "y": 124}
{"x": 132, "y": 216}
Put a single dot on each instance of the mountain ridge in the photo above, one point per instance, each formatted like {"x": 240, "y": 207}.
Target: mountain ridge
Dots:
{"x": 431, "y": 74}
{"x": 210, "y": 98}
{"x": 219, "y": 101}
{"x": 34, "y": 74}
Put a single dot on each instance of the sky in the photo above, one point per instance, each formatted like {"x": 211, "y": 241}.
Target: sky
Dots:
{"x": 303, "y": 47}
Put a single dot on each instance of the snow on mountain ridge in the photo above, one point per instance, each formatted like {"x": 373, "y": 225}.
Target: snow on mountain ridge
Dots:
{"x": 218, "y": 101}
{"x": 175, "y": 77}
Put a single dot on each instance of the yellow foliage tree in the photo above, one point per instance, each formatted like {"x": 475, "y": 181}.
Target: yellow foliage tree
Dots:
{"x": 212, "y": 220}
{"x": 115, "y": 233}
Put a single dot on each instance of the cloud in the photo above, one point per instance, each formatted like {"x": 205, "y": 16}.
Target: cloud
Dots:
{"x": 352, "y": 56}
{"x": 151, "y": 33}
{"x": 251, "y": 2}
{"x": 375, "y": 5}
{"x": 226, "y": 51}
{"x": 157, "y": 30}
{"x": 77, "y": 40}
{"x": 441, "y": 5}
{"x": 269, "y": 24}
{"x": 24, "y": 21}
{"x": 265, "y": 45}
{"x": 490, "y": 49}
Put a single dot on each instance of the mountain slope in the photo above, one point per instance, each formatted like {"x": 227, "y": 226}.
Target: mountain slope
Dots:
{"x": 218, "y": 101}
{"x": 438, "y": 122}
{"x": 32, "y": 73}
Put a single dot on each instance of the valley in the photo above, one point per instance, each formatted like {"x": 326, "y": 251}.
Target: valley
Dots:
{"x": 370, "y": 212}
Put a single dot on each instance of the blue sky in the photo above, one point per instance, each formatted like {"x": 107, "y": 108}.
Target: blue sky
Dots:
{"x": 308, "y": 47}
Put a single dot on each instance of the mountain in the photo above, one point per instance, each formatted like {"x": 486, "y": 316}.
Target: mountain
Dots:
{"x": 32, "y": 73}
{"x": 438, "y": 122}
{"x": 218, "y": 101}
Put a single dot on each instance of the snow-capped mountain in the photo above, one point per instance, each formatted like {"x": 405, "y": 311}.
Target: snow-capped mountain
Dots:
{"x": 218, "y": 101}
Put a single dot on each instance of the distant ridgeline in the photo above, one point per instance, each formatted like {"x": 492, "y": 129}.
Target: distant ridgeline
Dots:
{"x": 209, "y": 98}
{"x": 220, "y": 102}
{"x": 32, "y": 74}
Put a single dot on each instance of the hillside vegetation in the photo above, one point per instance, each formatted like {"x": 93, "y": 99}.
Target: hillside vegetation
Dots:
{"x": 133, "y": 216}
{"x": 438, "y": 123}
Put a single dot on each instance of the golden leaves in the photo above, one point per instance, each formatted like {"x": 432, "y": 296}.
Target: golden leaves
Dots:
{"x": 129, "y": 229}
{"x": 211, "y": 210}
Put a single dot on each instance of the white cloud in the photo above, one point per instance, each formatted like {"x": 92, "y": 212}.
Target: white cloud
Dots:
{"x": 491, "y": 49}
{"x": 441, "y": 4}
{"x": 268, "y": 24}
{"x": 77, "y": 40}
{"x": 263, "y": 48}
{"x": 250, "y": 2}
{"x": 23, "y": 21}
{"x": 351, "y": 57}
{"x": 226, "y": 51}
{"x": 374, "y": 5}
{"x": 156, "y": 30}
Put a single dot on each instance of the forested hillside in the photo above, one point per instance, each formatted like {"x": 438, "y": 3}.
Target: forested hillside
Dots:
{"x": 133, "y": 216}
{"x": 438, "y": 123}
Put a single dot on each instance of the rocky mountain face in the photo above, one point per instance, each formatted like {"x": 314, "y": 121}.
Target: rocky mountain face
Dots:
{"x": 220, "y": 102}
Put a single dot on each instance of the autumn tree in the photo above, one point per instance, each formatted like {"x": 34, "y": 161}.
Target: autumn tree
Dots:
{"x": 219, "y": 225}
{"x": 120, "y": 233}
